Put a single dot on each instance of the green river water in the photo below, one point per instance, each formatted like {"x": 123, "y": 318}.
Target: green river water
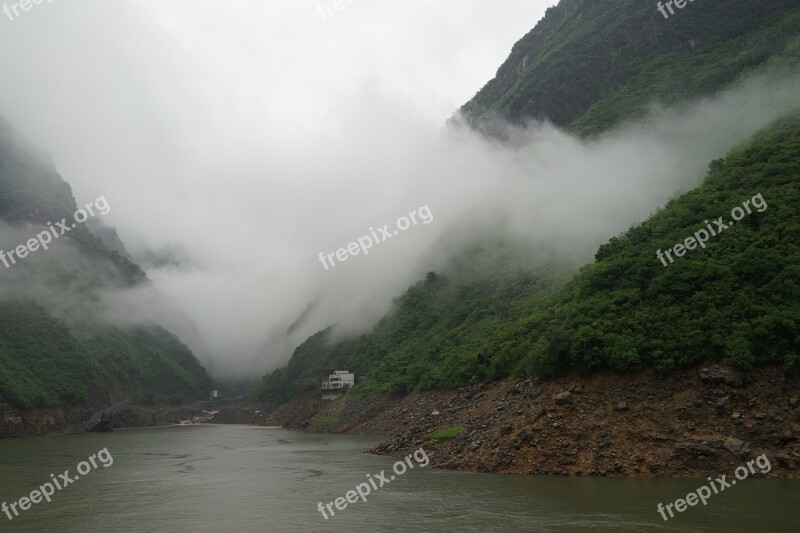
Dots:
{"x": 246, "y": 479}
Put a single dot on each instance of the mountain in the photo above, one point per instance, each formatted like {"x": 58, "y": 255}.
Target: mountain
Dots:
{"x": 736, "y": 296}
{"x": 56, "y": 346}
{"x": 433, "y": 333}
{"x": 589, "y": 67}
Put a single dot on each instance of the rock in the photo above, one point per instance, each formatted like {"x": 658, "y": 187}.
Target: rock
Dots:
{"x": 720, "y": 374}
{"x": 793, "y": 402}
{"x": 724, "y": 404}
{"x": 622, "y": 406}
{"x": 564, "y": 398}
{"x": 435, "y": 413}
{"x": 694, "y": 448}
{"x": 734, "y": 445}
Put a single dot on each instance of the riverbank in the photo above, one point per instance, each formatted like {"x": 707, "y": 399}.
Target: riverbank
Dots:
{"x": 16, "y": 422}
{"x": 692, "y": 423}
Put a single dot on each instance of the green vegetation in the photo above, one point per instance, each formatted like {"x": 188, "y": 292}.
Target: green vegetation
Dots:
{"x": 588, "y": 66}
{"x": 43, "y": 363}
{"x": 326, "y": 422}
{"x": 52, "y": 351}
{"x": 330, "y": 420}
{"x": 434, "y": 332}
{"x": 145, "y": 361}
{"x": 738, "y": 299}
{"x": 447, "y": 433}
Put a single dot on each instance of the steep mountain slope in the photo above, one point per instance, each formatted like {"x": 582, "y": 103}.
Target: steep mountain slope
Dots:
{"x": 588, "y": 66}
{"x": 435, "y": 330}
{"x": 735, "y": 297}
{"x": 54, "y": 348}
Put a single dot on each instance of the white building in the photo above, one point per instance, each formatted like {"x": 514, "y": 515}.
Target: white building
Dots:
{"x": 340, "y": 379}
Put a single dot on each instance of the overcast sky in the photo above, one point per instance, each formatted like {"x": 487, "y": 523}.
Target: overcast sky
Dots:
{"x": 245, "y": 137}
{"x": 185, "y": 76}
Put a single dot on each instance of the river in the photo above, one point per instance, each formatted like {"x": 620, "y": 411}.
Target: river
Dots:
{"x": 248, "y": 479}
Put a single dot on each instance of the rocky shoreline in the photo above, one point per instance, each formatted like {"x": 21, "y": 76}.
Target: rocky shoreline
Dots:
{"x": 39, "y": 422}
{"x": 692, "y": 423}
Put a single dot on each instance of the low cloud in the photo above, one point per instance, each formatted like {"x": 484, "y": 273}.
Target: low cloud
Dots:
{"x": 255, "y": 269}
{"x": 237, "y": 144}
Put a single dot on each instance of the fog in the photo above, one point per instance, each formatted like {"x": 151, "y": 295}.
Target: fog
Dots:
{"x": 235, "y": 144}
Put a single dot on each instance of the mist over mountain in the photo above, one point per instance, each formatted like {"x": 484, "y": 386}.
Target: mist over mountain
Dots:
{"x": 59, "y": 345}
{"x": 229, "y": 211}
{"x": 223, "y": 190}
{"x": 557, "y": 194}
{"x": 251, "y": 251}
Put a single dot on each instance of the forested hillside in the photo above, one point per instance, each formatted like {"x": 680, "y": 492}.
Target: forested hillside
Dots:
{"x": 737, "y": 298}
{"x": 54, "y": 347}
{"x": 588, "y": 66}
{"x": 435, "y": 331}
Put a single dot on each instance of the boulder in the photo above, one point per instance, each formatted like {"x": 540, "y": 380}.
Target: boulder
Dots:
{"x": 564, "y": 398}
